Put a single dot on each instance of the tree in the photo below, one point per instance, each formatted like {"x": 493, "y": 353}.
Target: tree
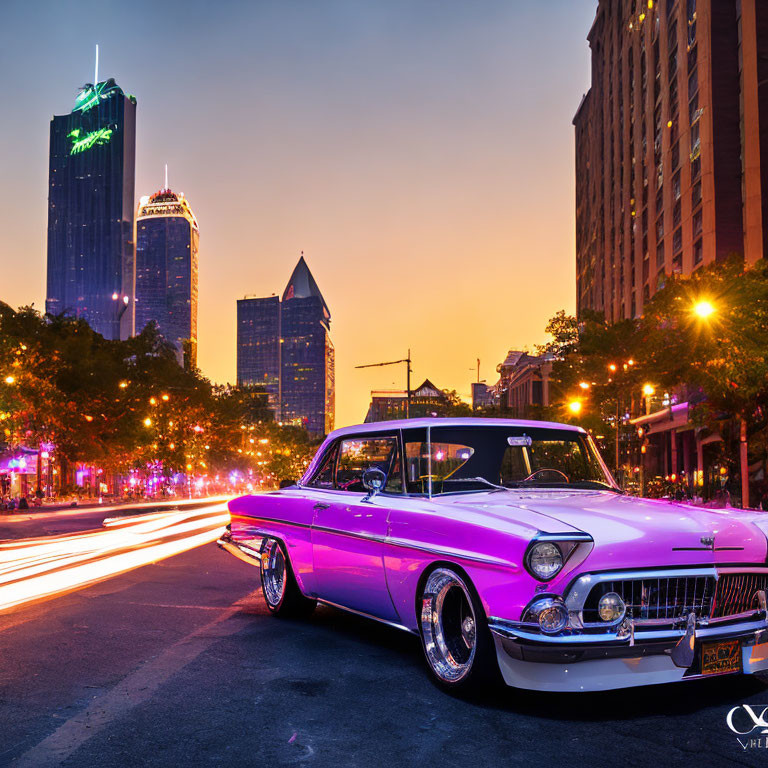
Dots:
{"x": 710, "y": 331}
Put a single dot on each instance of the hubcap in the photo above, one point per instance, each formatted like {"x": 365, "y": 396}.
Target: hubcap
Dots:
{"x": 448, "y": 626}
{"x": 272, "y": 572}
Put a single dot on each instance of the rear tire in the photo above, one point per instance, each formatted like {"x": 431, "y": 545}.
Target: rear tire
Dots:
{"x": 278, "y": 584}
{"x": 457, "y": 643}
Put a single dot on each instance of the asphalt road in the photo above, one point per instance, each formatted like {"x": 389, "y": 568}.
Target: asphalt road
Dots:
{"x": 178, "y": 664}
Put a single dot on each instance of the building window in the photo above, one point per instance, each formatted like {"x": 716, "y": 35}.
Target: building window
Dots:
{"x": 694, "y": 113}
{"x": 676, "y": 155}
{"x": 695, "y": 168}
{"x": 676, "y": 186}
{"x": 697, "y": 223}
{"x": 659, "y": 228}
{"x": 677, "y": 264}
{"x": 696, "y": 194}
{"x": 693, "y": 83}
{"x": 692, "y": 57}
{"x": 677, "y": 240}
{"x": 659, "y": 200}
{"x": 660, "y": 255}
{"x": 698, "y": 252}
{"x": 677, "y": 214}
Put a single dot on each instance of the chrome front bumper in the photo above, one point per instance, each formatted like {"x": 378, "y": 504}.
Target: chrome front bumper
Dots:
{"x": 596, "y": 662}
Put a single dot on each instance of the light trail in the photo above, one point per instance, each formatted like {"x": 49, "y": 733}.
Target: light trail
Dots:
{"x": 32, "y": 569}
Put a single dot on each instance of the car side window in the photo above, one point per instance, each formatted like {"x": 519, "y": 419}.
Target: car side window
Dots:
{"x": 359, "y": 454}
{"x": 324, "y": 477}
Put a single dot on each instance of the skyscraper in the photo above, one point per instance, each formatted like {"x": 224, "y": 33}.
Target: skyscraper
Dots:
{"x": 671, "y": 146}
{"x": 166, "y": 270}
{"x": 258, "y": 346}
{"x": 90, "y": 210}
{"x": 285, "y": 346}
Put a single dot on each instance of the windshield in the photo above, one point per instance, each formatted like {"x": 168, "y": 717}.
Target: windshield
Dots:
{"x": 461, "y": 459}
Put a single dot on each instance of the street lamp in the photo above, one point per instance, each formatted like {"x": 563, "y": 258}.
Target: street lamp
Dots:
{"x": 648, "y": 390}
{"x": 10, "y": 380}
{"x": 574, "y": 407}
{"x": 704, "y": 309}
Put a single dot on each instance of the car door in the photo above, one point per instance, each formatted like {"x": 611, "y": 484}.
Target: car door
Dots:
{"x": 349, "y": 530}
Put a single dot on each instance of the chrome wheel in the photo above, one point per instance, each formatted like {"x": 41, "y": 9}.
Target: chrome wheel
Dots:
{"x": 448, "y": 626}
{"x": 273, "y": 574}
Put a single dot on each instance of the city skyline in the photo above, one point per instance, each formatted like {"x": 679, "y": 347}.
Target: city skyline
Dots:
{"x": 329, "y": 164}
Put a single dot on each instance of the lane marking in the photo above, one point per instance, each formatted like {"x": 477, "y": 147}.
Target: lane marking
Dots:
{"x": 135, "y": 689}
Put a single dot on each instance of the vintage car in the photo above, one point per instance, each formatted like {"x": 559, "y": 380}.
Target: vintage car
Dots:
{"x": 508, "y": 548}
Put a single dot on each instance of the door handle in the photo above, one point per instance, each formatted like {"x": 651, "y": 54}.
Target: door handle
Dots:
{"x": 321, "y": 505}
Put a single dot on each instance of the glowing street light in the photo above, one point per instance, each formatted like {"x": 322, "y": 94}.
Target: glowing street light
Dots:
{"x": 584, "y": 384}
{"x": 10, "y": 379}
{"x": 574, "y": 407}
{"x": 648, "y": 390}
{"x": 147, "y": 422}
{"x": 704, "y": 309}
{"x": 612, "y": 367}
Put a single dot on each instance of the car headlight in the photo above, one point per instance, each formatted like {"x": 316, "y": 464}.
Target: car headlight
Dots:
{"x": 611, "y": 608}
{"x": 544, "y": 560}
{"x": 550, "y": 613}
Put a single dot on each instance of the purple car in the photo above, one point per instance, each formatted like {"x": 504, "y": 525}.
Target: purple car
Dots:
{"x": 509, "y": 549}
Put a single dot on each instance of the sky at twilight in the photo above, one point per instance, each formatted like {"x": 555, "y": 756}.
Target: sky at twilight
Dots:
{"x": 420, "y": 154}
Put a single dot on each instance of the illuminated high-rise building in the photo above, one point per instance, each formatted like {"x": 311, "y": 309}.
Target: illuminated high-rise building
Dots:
{"x": 90, "y": 210}
{"x": 167, "y": 237}
{"x": 671, "y": 140}
{"x": 285, "y": 346}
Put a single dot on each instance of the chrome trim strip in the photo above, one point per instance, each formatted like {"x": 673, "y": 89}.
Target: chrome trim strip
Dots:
{"x": 575, "y": 536}
{"x": 405, "y": 543}
{"x": 364, "y": 615}
{"x": 239, "y": 549}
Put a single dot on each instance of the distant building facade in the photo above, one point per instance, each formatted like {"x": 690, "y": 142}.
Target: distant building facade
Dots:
{"x": 671, "y": 146}
{"x": 426, "y": 400}
{"x": 285, "y": 346}
{"x": 524, "y": 383}
{"x": 90, "y": 271}
{"x": 167, "y": 252}
{"x": 483, "y": 395}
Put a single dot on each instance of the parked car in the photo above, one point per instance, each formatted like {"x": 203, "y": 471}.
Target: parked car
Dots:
{"x": 509, "y": 549}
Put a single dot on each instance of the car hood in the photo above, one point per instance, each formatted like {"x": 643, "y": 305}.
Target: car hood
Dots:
{"x": 626, "y": 528}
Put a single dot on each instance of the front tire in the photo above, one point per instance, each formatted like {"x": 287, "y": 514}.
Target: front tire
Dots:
{"x": 278, "y": 584}
{"x": 457, "y": 643}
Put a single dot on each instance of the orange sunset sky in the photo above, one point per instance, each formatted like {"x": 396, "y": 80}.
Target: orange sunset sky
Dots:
{"x": 419, "y": 153}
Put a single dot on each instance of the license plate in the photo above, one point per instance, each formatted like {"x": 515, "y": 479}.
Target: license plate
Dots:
{"x": 721, "y": 657}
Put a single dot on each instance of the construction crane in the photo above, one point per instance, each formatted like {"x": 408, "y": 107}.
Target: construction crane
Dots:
{"x": 408, "y": 369}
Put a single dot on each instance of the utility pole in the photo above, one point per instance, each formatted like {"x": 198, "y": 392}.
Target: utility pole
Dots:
{"x": 408, "y": 370}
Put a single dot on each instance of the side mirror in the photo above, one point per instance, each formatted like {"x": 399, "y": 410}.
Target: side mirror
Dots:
{"x": 373, "y": 481}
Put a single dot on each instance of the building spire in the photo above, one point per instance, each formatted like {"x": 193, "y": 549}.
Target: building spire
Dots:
{"x": 166, "y": 176}
{"x": 96, "y": 68}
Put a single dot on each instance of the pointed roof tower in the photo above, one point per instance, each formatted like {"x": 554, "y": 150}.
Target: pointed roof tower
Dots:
{"x": 302, "y": 285}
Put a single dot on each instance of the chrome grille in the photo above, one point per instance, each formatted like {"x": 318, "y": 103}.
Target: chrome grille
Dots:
{"x": 657, "y": 599}
{"x": 660, "y": 599}
{"x": 737, "y": 593}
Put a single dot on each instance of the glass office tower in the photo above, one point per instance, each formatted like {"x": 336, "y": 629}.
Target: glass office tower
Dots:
{"x": 258, "y": 346}
{"x": 167, "y": 237}
{"x": 286, "y": 347}
{"x": 90, "y": 210}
